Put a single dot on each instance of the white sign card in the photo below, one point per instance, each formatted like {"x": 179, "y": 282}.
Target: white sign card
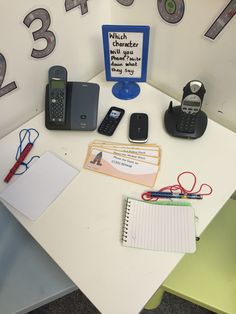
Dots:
{"x": 125, "y": 52}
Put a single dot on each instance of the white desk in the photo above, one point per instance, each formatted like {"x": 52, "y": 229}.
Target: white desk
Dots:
{"x": 82, "y": 229}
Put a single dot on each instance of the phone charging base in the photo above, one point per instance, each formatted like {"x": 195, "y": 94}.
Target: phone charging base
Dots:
{"x": 172, "y": 115}
{"x": 126, "y": 90}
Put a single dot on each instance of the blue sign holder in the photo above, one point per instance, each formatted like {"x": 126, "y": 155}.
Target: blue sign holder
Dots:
{"x": 126, "y": 87}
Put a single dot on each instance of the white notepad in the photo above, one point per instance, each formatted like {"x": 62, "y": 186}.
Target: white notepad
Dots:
{"x": 159, "y": 227}
{"x": 39, "y": 186}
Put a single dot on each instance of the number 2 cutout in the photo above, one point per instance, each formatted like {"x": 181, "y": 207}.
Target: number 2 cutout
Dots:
{"x": 43, "y": 32}
{"x": 71, "y": 4}
{"x": 9, "y": 87}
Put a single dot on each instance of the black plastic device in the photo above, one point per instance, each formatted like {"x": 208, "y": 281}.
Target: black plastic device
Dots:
{"x": 111, "y": 121}
{"x": 57, "y": 77}
{"x": 138, "y": 128}
{"x": 82, "y": 99}
{"x": 187, "y": 120}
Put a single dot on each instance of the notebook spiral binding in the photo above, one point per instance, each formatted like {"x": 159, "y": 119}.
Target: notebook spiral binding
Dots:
{"x": 126, "y": 221}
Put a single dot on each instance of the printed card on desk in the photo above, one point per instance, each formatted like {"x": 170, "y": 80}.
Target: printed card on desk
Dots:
{"x": 146, "y": 149}
{"x": 39, "y": 186}
{"x": 130, "y": 166}
{"x": 151, "y": 155}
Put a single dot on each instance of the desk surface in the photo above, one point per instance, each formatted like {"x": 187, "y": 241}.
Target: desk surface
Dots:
{"x": 82, "y": 229}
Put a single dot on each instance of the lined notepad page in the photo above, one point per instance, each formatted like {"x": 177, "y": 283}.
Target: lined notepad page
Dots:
{"x": 159, "y": 227}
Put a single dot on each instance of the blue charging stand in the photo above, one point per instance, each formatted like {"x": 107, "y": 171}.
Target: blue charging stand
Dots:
{"x": 126, "y": 90}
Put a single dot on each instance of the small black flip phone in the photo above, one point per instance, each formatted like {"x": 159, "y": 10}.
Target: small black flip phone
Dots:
{"x": 138, "y": 128}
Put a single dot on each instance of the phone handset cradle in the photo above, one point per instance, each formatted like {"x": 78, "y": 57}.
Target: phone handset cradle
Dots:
{"x": 187, "y": 120}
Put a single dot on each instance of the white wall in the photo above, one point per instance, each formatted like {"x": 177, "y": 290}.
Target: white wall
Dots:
{"x": 78, "y": 48}
{"x": 179, "y": 53}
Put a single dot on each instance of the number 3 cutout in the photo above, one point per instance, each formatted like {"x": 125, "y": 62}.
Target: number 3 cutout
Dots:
{"x": 9, "y": 87}
{"x": 43, "y": 32}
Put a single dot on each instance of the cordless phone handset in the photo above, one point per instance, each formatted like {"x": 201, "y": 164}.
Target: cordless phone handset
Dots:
{"x": 192, "y": 97}
{"x": 57, "y": 76}
{"x": 190, "y": 106}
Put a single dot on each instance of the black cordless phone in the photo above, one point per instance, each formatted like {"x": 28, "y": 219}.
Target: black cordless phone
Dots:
{"x": 57, "y": 76}
{"x": 187, "y": 120}
{"x": 111, "y": 121}
{"x": 190, "y": 106}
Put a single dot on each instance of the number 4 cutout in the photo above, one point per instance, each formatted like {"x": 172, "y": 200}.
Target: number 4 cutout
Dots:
{"x": 71, "y": 4}
{"x": 9, "y": 87}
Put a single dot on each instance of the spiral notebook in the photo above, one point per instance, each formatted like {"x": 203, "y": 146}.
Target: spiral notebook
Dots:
{"x": 168, "y": 228}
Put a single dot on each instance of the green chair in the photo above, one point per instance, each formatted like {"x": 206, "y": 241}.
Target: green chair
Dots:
{"x": 208, "y": 277}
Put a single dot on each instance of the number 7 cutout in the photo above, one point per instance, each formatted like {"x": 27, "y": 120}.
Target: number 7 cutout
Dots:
{"x": 222, "y": 20}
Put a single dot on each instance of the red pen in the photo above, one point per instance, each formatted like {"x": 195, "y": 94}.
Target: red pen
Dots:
{"x": 21, "y": 158}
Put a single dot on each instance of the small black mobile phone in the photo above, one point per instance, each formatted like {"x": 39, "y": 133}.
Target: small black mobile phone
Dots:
{"x": 138, "y": 128}
{"x": 111, "y": 121}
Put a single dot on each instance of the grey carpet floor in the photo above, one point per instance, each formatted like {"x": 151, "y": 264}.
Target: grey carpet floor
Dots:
{"x": 77, "y": 303}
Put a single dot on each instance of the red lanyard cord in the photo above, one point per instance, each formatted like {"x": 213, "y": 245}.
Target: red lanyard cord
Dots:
{"x": 146, "y": 196}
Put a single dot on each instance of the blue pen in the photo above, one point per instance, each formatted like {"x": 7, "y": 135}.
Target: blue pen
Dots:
{"x": 174, "y": 195}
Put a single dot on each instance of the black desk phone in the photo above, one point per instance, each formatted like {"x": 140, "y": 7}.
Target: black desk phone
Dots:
{"x": 70, "y": 105}
{"x": 187, "y": 120}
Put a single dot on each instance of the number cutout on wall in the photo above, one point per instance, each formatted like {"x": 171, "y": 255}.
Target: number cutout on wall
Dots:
{"x": 9, "y": 87}
{"x": 43, "y": 32}
{"x": 125, "y": 2}
{"x": 222, "y": 20}
{"x": 71, "y": 4}
{"x": 172, "y": 11}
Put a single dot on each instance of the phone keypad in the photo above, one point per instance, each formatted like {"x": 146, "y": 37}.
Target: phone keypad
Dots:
{"x": 57, "y": 107}
{"x": 186, "y": 123}
{"x": 107, "y": 128}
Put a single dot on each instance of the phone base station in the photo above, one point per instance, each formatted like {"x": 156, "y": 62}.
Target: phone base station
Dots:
{"x": 81, "y": 107}
{"x": 171, "y": 120}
